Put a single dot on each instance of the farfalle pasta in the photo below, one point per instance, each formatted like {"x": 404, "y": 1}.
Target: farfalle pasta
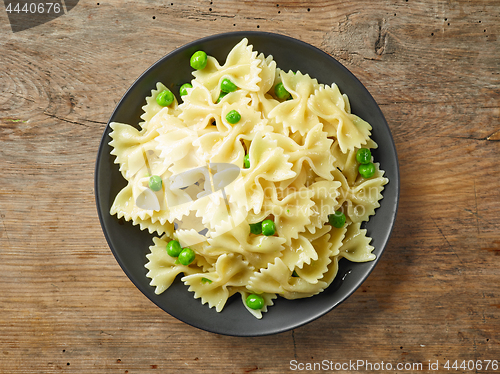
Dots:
{"x": 246, "y": 182}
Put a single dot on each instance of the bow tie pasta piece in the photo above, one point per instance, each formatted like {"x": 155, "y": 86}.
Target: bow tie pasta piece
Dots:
{"x": 268, "y": 301}
{"x": 251, "y": 197}
{"x": 356, "y": 245}
{"x": 334, "y": 239}
{"x": 348, "y": 165}
{"x": 325, "y": 194}
{"x": 267, "y": 74}
{"x": 199, "y": 112}
{"x": 267, "y": 162}
{"x": 215, "y": 287}
{"x": 215, "y": 214}
{"x": 178, "y": 150}
{"x": 162, "y": 268}
{"x": 361, "y": 198}
{"x": 344, "y": 186}
{"x": 292, "y": 213}
{"x": 277, "y": 278}
{"x": 295, "y": 113}
{"x": 258, "y": 249}
{"x": 198, "y": 109}
{"x": 364, "y": 198}
{"x": 229, "y": 147}
{"x": 315, "y": 270}
{"x": 315, "y": 151}
{"x": 351, "y": 131}
{"x": 130, "y": 145}
{"x": 262, "y": 100}
{"x": 299, "y": 252}
{"x": 152, "y": 107}
{"x": 125, "y": 206}
{"x": 241, "y": 68}
{"x": 346, "y": 162}
{"x": 157, "y": 227}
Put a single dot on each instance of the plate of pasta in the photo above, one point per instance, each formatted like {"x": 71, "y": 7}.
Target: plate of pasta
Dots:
{"x": 247, "y": 183}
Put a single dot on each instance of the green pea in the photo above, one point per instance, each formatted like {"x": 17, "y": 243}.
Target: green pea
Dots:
{"x": 367, "y": 170}
{"x": 155, "y": 182}
{"x": 165, "y": 98}
{"x": 184, "y": 87}
{"x": 281, "y": 92}
{"x": 206, "y": 280}
{"x": 255, "y": 301}
{"x": 221, "y": 95}
{"x": 337, "y": 219}
{"x": 363, "y": 155}
{"x": 227, "y": 86}
{"x": 233, "y": 117}
{"x": 198, "y": 60}
{"x": 174, "y": 248}
{"x": 268, "y": 227}
{"x": 256, "y": 228}
{"x": 186, "y": 256}
{"x": 246, "y": 161}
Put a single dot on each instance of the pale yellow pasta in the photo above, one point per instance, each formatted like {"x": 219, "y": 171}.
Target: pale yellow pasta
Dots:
{"x": 163, "y": 269}
{"x": 268, "y": 301}
{"x": 216, "y": 286}
{"x": 315, "y": 270}
{"x": 302, "y": 168}
{"x": 356, "y": 245}
{"x": 279, "y": 279}
{"x": 351, "y": 131}
{"x": 152, "y": 107}
{"x": 295, "y": 113}
{"x": 241, "y": 67}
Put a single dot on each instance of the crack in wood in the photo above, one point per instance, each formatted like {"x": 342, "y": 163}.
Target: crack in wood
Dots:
{"x": 294, "y": 345}
{"x": 446, "y": 239}
{"x": 495, "y": 137}
{"x": 26, "y": 98}
{"x": 68, "y": 120}
{"x": 486, "y": 138}
{"x": 381, "y": 41}
{"x": 99, "y": 122}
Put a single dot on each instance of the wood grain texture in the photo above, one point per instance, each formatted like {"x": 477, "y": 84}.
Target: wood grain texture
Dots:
{"x": 433, "y": 66}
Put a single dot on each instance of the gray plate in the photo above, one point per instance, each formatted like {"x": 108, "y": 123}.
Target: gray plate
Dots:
{"x": 130, "y": 245}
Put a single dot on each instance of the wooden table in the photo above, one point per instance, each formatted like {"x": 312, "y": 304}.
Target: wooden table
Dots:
{"x": 433, "y": 66}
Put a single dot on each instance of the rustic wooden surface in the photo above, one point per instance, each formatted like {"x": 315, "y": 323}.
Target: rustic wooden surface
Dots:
{"x": 434, "y": 68}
